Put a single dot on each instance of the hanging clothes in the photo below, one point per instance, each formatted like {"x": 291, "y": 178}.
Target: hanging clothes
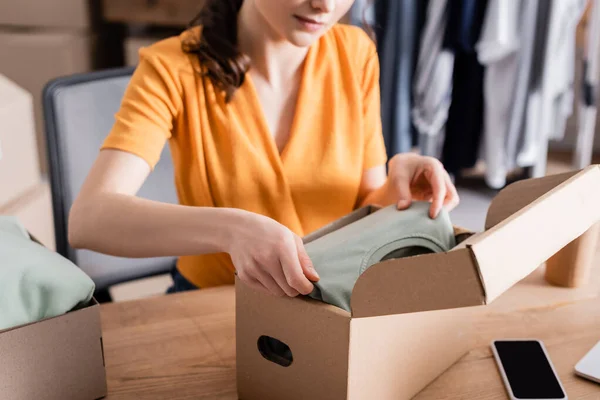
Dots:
{"x": 525, "y": 147}
{"x": 421, "y": 20}
{"x": 557, "y": 101}
{"x": 362, "y": 12}
{"x": 532, "y": 25}
{"x": 553, "y": 102}
{"x": 506, "y": 27}
{"x": 396, "y": 28}
{"x": 588, "y": 104}
{"x": 465, "y": 116}
{"x": 432, "y": 91}
{"x": 559, "y": 97}
{"x": 397, "y": 25}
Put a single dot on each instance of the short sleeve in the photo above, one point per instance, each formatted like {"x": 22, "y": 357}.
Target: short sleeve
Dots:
{"x": 148, "y": 109}
{"x": 375, "y": 152}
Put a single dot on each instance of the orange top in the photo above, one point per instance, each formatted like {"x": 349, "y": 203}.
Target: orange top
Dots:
{"x": 224, "y": 154}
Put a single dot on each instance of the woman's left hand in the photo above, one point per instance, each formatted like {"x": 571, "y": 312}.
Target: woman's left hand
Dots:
{"x": 412, "y": 177}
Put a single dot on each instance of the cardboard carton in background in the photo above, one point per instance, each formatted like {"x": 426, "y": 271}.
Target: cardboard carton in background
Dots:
{"x": 157, "y": 12}
{"x": 410, "y": 318}
{"x": 66, "y": 14}
{"x": 34, "y": 211}
{"x": 32, "y": 58}
{"x": 19, "y": 165}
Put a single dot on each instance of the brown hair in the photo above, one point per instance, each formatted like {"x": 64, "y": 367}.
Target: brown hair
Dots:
{"x": 217, "y": 45}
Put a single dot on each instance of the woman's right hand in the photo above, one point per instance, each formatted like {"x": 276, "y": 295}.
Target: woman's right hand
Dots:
{"x": 269, "y": 257}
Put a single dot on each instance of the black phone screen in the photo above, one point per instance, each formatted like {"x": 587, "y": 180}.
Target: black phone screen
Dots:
{"x": 528, "y": 370}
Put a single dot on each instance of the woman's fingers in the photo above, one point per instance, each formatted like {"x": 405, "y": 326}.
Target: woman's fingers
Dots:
{"x": 452, "y": 198}
{"x": 279, "y": 278}
{"x": 273, "y": 258}
{"x": 404, "y": 195}
{"x": 305, "y": 261}
{"x": 269, "y": 282}
{"x": 253, "y": 283}
{"x": 435, "y": 174}
{"x": 294, "y": 274}
{"x": 295, "y": 270}
{"x": 253, "y": 274}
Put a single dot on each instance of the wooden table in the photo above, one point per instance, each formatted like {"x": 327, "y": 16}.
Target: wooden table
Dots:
{"x": 183, "y": 347}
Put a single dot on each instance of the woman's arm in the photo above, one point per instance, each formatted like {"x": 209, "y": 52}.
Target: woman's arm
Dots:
{"x": 410, "y": 176}
{"x": 373, "y": 187}
{"x": 107, "y": 217}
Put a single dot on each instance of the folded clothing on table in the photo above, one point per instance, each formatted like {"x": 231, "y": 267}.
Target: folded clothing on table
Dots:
{"x": 36, "y": 283}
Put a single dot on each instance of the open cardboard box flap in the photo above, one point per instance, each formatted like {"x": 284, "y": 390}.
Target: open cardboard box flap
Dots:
{"x": 328, "y": 352}
{"x": 527, "y": 223}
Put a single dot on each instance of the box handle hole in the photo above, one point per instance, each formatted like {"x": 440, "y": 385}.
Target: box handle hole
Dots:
{"x": 275, "y": 351}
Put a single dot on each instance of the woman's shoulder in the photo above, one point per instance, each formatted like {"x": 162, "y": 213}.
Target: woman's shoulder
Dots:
{"x": 170, "y": 51}
{"x": 351, "y": 35}
{"x": 353, "y": 42}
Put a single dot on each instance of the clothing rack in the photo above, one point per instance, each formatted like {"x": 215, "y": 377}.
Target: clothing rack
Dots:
{"x": 485, "y": 80}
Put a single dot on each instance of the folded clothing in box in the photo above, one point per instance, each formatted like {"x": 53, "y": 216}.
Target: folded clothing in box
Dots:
{"x": 36, "y": 283}
{"x": 341, "y": 256}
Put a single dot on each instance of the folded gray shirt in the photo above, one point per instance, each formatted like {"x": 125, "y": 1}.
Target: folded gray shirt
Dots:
{"x": 341, "y": 256}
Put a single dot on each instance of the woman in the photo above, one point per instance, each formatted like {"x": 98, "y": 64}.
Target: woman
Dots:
{"x": 272, "y": 113}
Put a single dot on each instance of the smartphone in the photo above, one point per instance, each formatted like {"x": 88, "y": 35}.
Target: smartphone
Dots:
{"x": 526, "y": 370}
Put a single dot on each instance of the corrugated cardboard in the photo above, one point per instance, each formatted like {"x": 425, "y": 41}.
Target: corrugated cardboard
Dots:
{"x": 410, "y": 317}
{"x": 68, "y": 14}
{"x": 34, "y": 211}
{"x": 55, "y": 359}
{"x": 19, "y": 164}
{"x": 157, "y": 12}
{"x": 32, "y": 59}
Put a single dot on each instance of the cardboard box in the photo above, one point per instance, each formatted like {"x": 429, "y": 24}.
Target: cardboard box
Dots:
{"x": 32, "y": 59}
{"x": 410, "y": 317}
{"x": 132, "y": 46}
{"x": 158, "y": 12}
{"x": 55, "y": 359}
{"x": 34, "y": 211}
{"x": 19, "y": 164}
{"x": 68, "y": 14}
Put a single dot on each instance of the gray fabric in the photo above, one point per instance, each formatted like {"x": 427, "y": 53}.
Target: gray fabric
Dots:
{"x": 361, "y": 12}
{"x": 35, "y": 283}
{"x": 396, "y": 25}
{"x": 85, "y": 116}
{"x": 526, "y": 147}
{"x": 341, "y": 256}
{"x": 551, "y": 98}
{"x": 396, "y": 28}
{"x": 529, "y": 24}
{"x": 498, "y": 50}
{"x": 559, "y": 97}
{"x": 587, "y": 102}
{"x": 432, "y": 81}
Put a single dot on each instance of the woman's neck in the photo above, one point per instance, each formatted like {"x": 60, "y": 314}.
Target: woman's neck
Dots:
{"x": 273, "y": 58}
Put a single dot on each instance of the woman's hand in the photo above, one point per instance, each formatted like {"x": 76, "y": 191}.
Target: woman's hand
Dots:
{"x": 415, "y": 177}
{"x": 270, "y": 258}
